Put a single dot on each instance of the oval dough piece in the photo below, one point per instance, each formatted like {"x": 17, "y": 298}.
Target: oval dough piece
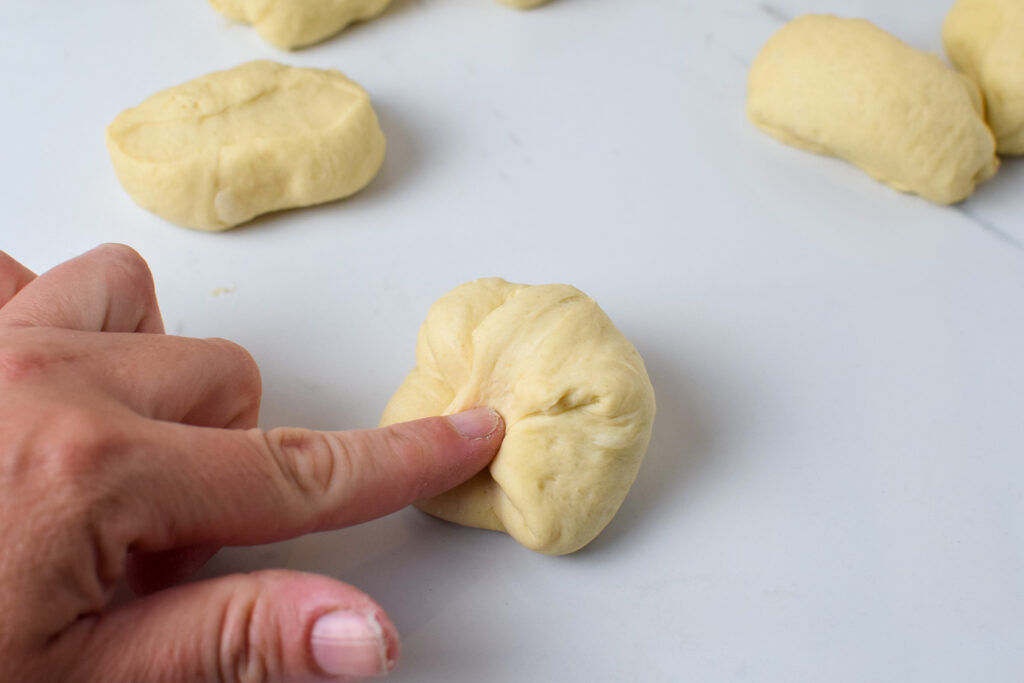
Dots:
{"x": 289, "y": 24}
{"x": 985, "y": 40}
{"x": 845, "y": 88}
{"x": 577, "y": 403}
{"x": 218, "y": 151}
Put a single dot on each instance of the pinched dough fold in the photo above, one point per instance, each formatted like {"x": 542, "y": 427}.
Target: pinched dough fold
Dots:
{"x": 574, "y": 393}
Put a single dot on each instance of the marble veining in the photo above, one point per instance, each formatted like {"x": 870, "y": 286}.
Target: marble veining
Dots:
{"x": 981, "y": 221}
{"x": 775, "y": 13}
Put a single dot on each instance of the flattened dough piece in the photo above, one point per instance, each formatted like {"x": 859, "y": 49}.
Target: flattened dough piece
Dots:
{"x": 845, "y": 88}
{"x": 289, "y": 24}
{"x": 218, "y": 151}
{"x": 985, "y": 40}
{"x": 574, "y": 393}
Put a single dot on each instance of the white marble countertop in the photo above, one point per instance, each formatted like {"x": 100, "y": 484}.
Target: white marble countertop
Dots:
{"x": 835, "y": 488}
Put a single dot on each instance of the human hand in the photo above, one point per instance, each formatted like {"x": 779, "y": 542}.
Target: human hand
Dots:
{"x": 125, "y": 452}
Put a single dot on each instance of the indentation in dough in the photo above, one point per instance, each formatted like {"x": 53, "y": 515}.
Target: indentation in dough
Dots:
{"x": 277, "y": 112}
{"x": 576, "y": 399}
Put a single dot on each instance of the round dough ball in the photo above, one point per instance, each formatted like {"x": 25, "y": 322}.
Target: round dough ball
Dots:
{"x": 574, "y": 393}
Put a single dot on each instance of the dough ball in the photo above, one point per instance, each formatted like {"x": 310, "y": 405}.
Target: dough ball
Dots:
{"x": 289, "y": 24}
{"x": 985, "y": 40}
{"x": 523, "y": 4}
{"x": 577, "y": 403}
{"x": 218, "y": 151}
{"x": 845, "y": 88}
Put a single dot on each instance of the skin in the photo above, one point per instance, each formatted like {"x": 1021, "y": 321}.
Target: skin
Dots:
{"x": 128, "y": 454}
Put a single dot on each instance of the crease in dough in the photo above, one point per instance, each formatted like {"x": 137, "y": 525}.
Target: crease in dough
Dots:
{"x": 577, "y": 402}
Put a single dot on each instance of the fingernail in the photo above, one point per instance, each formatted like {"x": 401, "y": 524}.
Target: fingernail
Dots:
{"x": 350, "y": 644}
{"x": 475, "y": 424}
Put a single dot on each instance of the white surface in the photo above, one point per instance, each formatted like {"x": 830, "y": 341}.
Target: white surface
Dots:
{"x": 834, "y": 490}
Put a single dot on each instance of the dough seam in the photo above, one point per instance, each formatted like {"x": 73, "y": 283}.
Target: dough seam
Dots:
{"x": 260, "y": 138}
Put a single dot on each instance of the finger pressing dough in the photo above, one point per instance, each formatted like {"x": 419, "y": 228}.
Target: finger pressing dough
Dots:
{"x": 985, "y": 40}
{"x": 577, "y": 403}
{"x": 845, "y": 88}
{"x": 289, "y": 24}
{"x": 218, "y": 151}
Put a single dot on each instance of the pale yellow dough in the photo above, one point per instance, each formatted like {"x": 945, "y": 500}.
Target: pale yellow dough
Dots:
{"x": 218, "y": 151}
{"x": 290, "y": 24}
{"x": 577, "y": 403}
{"x": 845, "y": 88}
{"x": 985, "y": 40}
{"x": 523, "y": 4}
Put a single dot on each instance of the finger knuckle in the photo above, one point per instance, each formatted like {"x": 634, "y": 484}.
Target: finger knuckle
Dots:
{"x": 81, "y": 442}
{"x": 246, "y": 373}
{"x": 312, "y": 463}
{"x": 19, "y": 362}
{"x": 249, "y": 646}
{"x": 127, "y": 269}
{"x": 67, "y": 440}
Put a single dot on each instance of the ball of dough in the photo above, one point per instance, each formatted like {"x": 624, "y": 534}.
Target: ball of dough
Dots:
{"x": 224, "y": 148}
{"x": 523, "y": 4}
{"x": 844, "y": 87}
{"x": 985, "y": 40}
{"x": 577, "y": 403}
{"x": 289, "y": 24}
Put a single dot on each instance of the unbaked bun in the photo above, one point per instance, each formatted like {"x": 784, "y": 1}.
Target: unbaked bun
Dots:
{"x": 577, "y": 402}
{"x": 985, "y": 40}
{"x": 846, "y": 88}
{"x": 290, "y": 24}
{"x": 222, "y": 149}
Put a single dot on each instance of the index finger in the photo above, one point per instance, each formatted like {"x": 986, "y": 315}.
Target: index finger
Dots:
{"x": 235, "y": 487}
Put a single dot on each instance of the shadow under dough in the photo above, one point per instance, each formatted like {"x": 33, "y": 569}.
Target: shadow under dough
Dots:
{"x": 404, "y": 159}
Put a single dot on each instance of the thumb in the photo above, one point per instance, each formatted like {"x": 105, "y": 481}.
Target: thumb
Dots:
{"x": 264, "y": 627}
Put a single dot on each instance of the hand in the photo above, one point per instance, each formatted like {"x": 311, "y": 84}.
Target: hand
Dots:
{"x": 125, "y": 452}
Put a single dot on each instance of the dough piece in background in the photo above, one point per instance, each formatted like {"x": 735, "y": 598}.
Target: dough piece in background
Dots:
{"x": 524, "y": 4}
{"x": 577, "y": 402}
{"x": 290, "y": 24}
{"x": 844, "y": 87}
{"x": 218, "y": 151}
{"x": 985, "y": 40}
